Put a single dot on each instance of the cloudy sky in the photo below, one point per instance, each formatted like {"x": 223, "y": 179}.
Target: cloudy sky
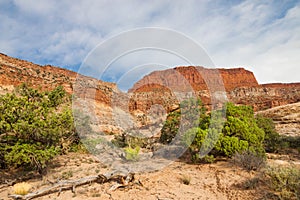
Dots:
{"x": 262, "y": 36}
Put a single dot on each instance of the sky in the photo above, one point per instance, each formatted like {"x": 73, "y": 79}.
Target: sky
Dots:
{"x": 261, "y": 36}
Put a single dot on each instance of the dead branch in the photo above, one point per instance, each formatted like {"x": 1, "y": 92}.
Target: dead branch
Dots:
{"x": 123, "y": 183}
{"x": 72, "y": 184}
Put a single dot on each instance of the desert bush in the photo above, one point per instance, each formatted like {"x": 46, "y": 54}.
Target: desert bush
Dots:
{"x": 29, "y": 154}
{"x": 272, "y": 141}
{"x": 240, "y": 123}
{"x": 34, "y": 125}
{"x": 132, "y": 154}
{"x": 230, "y": 145}
{"x": 251, "y": 183}
{"x": 119, "y": 141}
{"x": 126, "y": 139}
{"x": 238, "y": 132}
{"x": 289, "y": 142}
{"x": 197, "y": 158}
{"x": 249, "y": 160}
{"x": 135, "y": 141}
{"x": 170, "y": 127}
{"x": 179, "y": 121}
{"x": 285, "y": 181}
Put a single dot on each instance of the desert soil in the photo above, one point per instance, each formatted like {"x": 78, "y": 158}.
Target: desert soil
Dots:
{"x": 220, "y": 180}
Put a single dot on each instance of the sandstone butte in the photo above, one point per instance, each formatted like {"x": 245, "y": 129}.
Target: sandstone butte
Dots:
{"x": 239, "y": 85}
{"x": 158, "y": 88}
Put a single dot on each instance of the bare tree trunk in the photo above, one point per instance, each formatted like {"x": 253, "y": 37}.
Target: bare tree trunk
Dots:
{"x": 122, "y": 181}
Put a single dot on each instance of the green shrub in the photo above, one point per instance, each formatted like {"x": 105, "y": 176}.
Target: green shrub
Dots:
{"x": 179, "y": 121}
{"x": 209, "y": 159}
{"x": 170, "y": 127}
{"x": 132, "y": 154}
{"x": 237, "y": 133}
{"x": 194, "y": 138}
{"x": 285, "y": 181}
{"x": 34, "y": 126}
{"x": 229, "y": 145}
{"x": 127, "y": 139}
{"x": 90, "y": 144}
{"x": 272, "y": 141}
{"x": 119, "y": 141}
{"x": 290, "y": 142}
{"x": 29, "y": 155}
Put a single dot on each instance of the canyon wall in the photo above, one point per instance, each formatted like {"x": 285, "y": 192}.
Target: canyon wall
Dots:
{"x": 156, "y": 94}
{"x": 91, "y": 94}
{"x": 238, "y": 85}
{"x": 197, "y": 78}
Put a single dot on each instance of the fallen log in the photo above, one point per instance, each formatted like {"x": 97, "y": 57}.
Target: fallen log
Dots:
{"x": 121, "y": 180}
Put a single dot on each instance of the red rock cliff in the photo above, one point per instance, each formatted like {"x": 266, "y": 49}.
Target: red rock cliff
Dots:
{"x": 196, "y": 78}
{"x": 240, "y": 85}
{"x": 14, "y": 71}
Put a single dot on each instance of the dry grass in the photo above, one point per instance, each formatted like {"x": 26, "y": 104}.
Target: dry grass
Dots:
{"x": 21, "y": 188}
{"x": 186, "y": 179}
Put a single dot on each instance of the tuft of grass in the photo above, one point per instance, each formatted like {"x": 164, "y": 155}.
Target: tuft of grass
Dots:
{"x": 67, "y": 175}
{"x": 251, "y": 183}
{"x": 96, "y": 195}
{"x": 186, "y": 179}
{"x": 21, "y": 188}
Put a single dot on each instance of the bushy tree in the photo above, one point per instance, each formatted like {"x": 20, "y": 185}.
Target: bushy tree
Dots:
{"x": 179, "y": 121}
{"x": 272, "y": 140}
{"x": 170, "y": 127}
{"x": 241, "y": 130}
{"x": 34, "y": 126}
{"x": 237, "y": 131}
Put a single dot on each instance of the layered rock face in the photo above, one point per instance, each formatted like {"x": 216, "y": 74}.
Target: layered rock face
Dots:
{"x": 89, "y": 93}
{"x": 286, "y": 118}
{"x": 237, "y": 85}
{"x": 153, "y": 96}
{"x": 196, "y": 78}
{"x": 266, "y": 96}
{"x": 14, "y": 71}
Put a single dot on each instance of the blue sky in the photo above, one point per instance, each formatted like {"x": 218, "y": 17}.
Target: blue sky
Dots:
{"x": 262, "y": 36}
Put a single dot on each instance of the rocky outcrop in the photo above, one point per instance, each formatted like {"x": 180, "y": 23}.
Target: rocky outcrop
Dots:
{"x": 286, "y": 118}
{"x": 236, "y": 85}
{"x": 196, "y": 78}
{"x": 14, "y": 71}
{"x": 266, "y": 96}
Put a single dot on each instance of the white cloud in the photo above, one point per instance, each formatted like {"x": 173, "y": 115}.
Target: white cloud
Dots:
{"x": 262, "y": 36}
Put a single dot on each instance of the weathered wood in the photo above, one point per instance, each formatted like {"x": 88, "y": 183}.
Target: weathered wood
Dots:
{"x": 72, "y": 184}
{"x": 123, "y": 183}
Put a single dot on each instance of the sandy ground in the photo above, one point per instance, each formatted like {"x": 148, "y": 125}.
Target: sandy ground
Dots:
{"x": 221, "y": 180}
